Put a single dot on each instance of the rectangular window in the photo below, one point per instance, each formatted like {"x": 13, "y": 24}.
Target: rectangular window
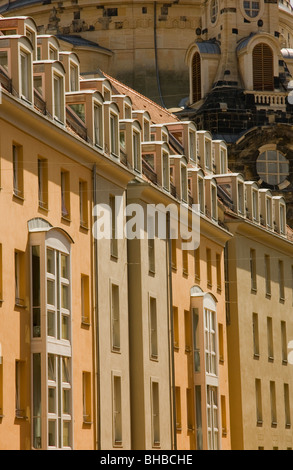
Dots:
{"x": 213, "y": 418}
{"x": 189, "y": 406}
{"x": 114, "y": 239}
{"x": 196, "y": 335}
{"x": 219, "y": 272}
{"x": 74, "y": 78}
{"x": 43, "y": 183}
{"x": 201, "y": 199}
{"x": 153, "y": 328}
{"x": 253, "y": 270}
{"x": 86, "y": 397}
{"x": 115, "y": 317}
{"x": 166, "y": 175}
{"x": 174, "y": 253}
{"x": 98, "y": 126}
{"x": 26, "y": 76}
{"x": 17, "y": 155}
{"x": 65, "y": 194}
{"x": 192, "y": 145}
{"x": 208, "y": 154}
{"x": 53, "y": 53}
{"x": 187, "y": 328}
{"x": 287, "y": 406}
{"x": 199, "y": 433}
{"x": 117, "y": 411}
{"x": 210, "y": 342}
{"x": 155, "y": 414}
{"x": 221, "y": 344}
{"x": 214, "y": 203}
{"x": 37, "y": 402}
{"x": 83, "y": 204}
{"x": 19, "y": 389}
{"x": 258, "y": 395}
{"x": 114, "y": 134}
{"x": 19, "y": 266}
{"x": 85, "y": 299}
{"x": 224, "y": 415}
{"x": 209, "y": 267}
{"x": 255, "y": 330}
{"x": 136, "y": 151}
{"x": 184, "y": 186}
{"x": 270, "y": 339}
{"x": 58, "y": 98}
{"x": 151, "y": 255}
{"x": 281, "y": 281}
{"x": 36, "y": 291}
{"x": 284, "y": 342}
{"x": 268, "y": 275}
{"x": 176, "y": 327}
{"x": 197, "y": 264}
{"x": 273, "y": 404}
{"x": 178, "y": 408}
{"x": 185, "y": 262}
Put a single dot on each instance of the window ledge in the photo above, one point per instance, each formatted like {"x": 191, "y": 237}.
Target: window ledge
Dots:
{"x": 66, "y": 219}
{"x": 84, "y": 227}
{"x": 18, "y": 196}
{"x": 43, "y": 207}
{"x": 116, "y": 350}
{"x": 154, "y": 358}
{"x": 85, "y": 322}
{"x": 284, "y": 362}
{"x": 18, "y": 305}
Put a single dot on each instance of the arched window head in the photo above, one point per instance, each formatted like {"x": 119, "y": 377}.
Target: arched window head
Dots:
{"x": 263, "y": 68}
{"x": 196, "y": 77}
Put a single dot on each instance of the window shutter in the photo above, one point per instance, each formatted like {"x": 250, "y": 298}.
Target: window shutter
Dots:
{"x": 263, "y": 68}
{"x": 196, "y": 77}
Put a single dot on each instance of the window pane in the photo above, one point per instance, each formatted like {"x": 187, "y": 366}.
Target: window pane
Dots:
{"x": 51, "y": 324}
{"x": 65, "y": 297}
{"x": 50, "y": 262}
{"x": 51, "y": 367}
{"x": 52, "y": 400}
{"x": 66, "y": 369}
{"x": 52, "y": 434}
{"x": 66, "y": 434}
{"x": 50, "y": 292}
{"x": 66, "y": 401}
{"x": 65, "y": 327}
{"x": 64, "y": 267}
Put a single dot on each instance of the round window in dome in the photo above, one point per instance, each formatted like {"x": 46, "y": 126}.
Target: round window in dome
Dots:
{"x": 272, "y": 167}
{"x": 251, "y": 9}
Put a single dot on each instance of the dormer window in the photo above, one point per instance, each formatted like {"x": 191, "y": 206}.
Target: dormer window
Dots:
{"x": 214, "y": 203}
{"x": 127, "y": 111}
{"x": 192, "y": 145}
{"x": 201, "y": 198}
{"x": 241, "y": 200}
{"x": 166, "y": 174}
{"x": 25, "y": 75}
{"x": 269, "y": 209}
{"x": 208, "y": 154}
{"x": 223, "y": 161}
{"x": 74, "y": 78}
{"x": 146, "y": 130}
{"x": 114, "y": 134}
{"x": 58, "y": 97}
{"x": 255, "y": 205}
{"x": 136, "y": 151}
{"x": 53, "y": 53}
{"x": 184, "y": 187}
{"x": 98, "y": 125}
{"x": 283, "y": 219}
{"x": 164, "y": 137}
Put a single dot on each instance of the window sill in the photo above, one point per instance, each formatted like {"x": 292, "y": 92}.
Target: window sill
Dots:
{"x": 256, "y": 357}
{"x": 116, "y": 350}
{"x": 19, "y": 305}
{"x": 254, "y": 290}
{"x": 271, "y": 359}
{"x": 118, "y": 444}
{"x": 43, "y": 207}
{"x": 152, "y": 272}
{"x": 259, "y": 424}
{"x": 19, "y": 197}
{"x": 154, "y": 358}
{"x": 84, "y": 227}
{"x": 157, "y": 445}
{"x": 282, "y": 300}
{"x": 85, "y": 322}
{"x": 284, "y": 362}
{"x": 66, "y": 219}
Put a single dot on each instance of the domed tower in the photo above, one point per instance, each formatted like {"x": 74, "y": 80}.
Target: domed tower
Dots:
{"x": 240, "y": 74}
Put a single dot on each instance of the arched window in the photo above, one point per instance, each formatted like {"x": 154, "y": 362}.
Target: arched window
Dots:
{"x": 263, "y": 68}
{"x": 196, "y": 77}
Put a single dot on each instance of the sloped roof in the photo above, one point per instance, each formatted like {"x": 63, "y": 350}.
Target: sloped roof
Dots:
{"x": 159, "y": 115}
{"x": 18, "y": 4}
